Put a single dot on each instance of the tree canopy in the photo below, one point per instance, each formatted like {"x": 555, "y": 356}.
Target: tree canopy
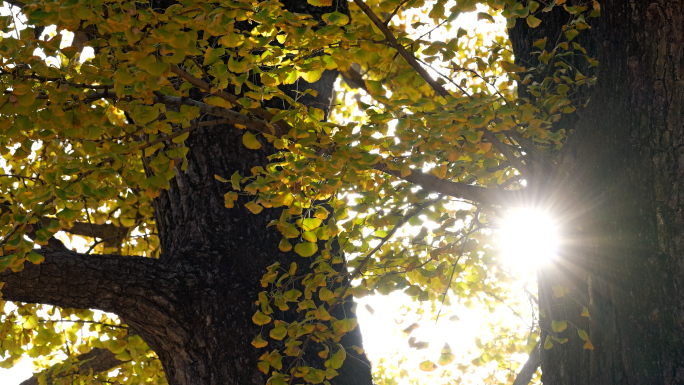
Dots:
{"x": 400, "y": 191}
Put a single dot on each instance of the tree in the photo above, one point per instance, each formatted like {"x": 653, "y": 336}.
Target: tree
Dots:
{"x": 214, "y": 114}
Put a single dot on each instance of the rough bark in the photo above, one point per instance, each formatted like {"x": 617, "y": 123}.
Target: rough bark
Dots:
{"x": 624, "y": 254}
{"x": 194, "y": 305}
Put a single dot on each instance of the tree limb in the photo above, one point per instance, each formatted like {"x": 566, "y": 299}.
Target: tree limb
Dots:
{"x": 525, "y": 375}
{"x": 231, "y": 116}
{"x": 460, "y": 190}
{"x": 97, "y": 360}
{"x": 112, "y": 235}
{"x": 281, "y": 127}
{"x": 354, "y": 79}
{"x": 15, "y": 3}
{"x": 69, "y": 279}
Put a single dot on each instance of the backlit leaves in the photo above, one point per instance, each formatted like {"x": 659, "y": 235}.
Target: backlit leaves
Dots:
{"x": 95, "y": 142}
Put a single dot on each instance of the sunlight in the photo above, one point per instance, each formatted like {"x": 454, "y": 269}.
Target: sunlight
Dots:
{"x": 528, "y": 237}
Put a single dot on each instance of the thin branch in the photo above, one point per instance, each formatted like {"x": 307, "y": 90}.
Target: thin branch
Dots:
{"x": 464, "y": 240}
{"x": 517, "y": 163}
{"x": 389, "y": 18}
{"x": 459, "y": 190}
{"x": 184, "y": 131}
{"x": 410, "y": 59}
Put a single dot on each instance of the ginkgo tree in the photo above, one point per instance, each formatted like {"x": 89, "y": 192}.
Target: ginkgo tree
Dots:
{"x": 194, "y": 151}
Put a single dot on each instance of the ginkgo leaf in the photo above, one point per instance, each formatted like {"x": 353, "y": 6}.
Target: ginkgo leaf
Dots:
{"x": 259, "y": 342}
{"x": 260, "y": 318}
{"x": 250, "y": 141}
{"x": 306, "y": 249}
{"x": 427, "y": 366}
{"x": 559, "y": 326}
{"x": 278, "y": 333}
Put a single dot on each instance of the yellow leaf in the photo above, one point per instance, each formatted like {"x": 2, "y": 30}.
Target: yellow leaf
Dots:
{"x": 284, "y": 245}
{"x": 558, "y": 291}
{"x": 250, "y": 141}
{"x": 532, "y": 21}
{"x": 322, "y": 314}
{"x": 306, "y": 249}
{"x": 264, "y": 366}
{"x": 585, "y": 312}
{"x": 260, "y": 318}
{"x": 547, "y": 343}
{"x": 559, "y": 326}
{"x": 254, "y": 207}
{"x": 588, "y": 345}
{"x": 427, "y": 366}
{"x": 405, "y": 171}
{"x": 583, "y": 335}
{"x": 259, "y": 342}
{"x": 278, "y": 333}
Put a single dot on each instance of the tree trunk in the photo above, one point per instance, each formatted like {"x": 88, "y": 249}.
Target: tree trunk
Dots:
{"x": 194, "y": 305}
{"x": 624, "y": 256}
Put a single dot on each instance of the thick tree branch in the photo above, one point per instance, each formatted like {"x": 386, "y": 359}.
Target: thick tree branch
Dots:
{"x": 111, "y": 283}
{"x": 280, "y": 127}
{"x": 525, "y": 375}
{"x": 97, "y": 360}
{"x": 354, "y": 79}
{"x": 460, "y": 190}
{"x": 230, "y": 116}
{"x": 112, "y": 235}
{"x": 15, "y": 3}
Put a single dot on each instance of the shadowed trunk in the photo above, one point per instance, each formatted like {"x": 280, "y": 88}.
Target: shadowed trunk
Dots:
{"x": 194, "y": 305}
{"x": 624, "y": 259}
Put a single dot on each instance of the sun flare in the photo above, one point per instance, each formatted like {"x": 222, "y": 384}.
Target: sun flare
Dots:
{"x": 528, "y": 237}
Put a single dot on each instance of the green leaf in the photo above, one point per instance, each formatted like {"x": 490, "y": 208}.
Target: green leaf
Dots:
{"x": 427, "y": 366}
{"x": 547, "y": 343}
{"x": 585, "y": 312}
{"x": 532, "y": 21}
{"x": 278, "y": 333}
{"x": 320, "y": 3}
{"x": 325, "y": 295}
{"x": 35, "y": 258}
{"x": 259, "y": 342}
{"x": 306, "y": 249}
{"x": 250, "y": 141}
{"x": 31, "y": 322}
{"x": 68, "y": 214}
{"x": 284, "y": 245}
{"x": 336, "y": 18}
{"x": 558, "y": 291}
{"x": 559, "y": 326}
{"x": 260, "y": 318}
{"x": 337, "y": 358}
{"x": 254, "y": 207}
{"x": 583, "y": 335}
{"x": 310, "y": 224}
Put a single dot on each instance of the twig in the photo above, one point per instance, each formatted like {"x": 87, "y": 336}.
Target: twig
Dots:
{"x": 402, "y": 51}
